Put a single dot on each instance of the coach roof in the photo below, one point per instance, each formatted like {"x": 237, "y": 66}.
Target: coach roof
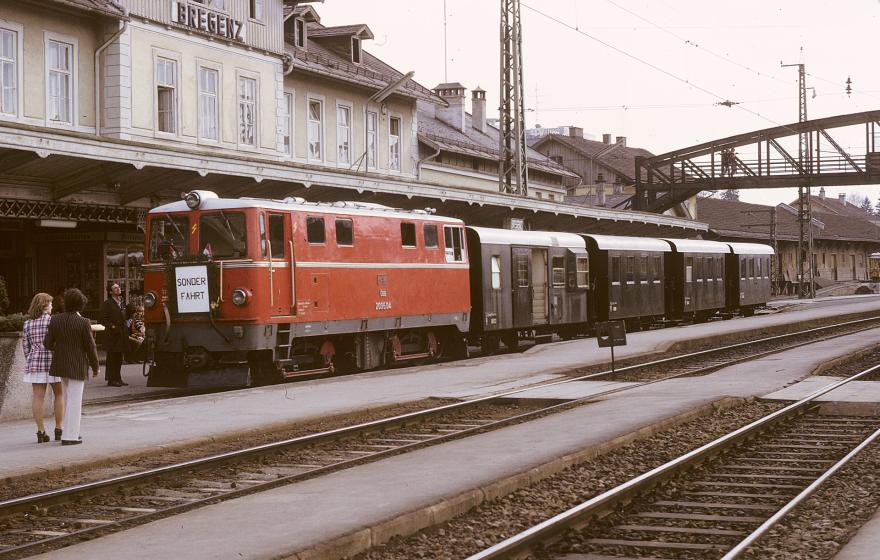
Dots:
{"x": 300, "y": 205}
{"x": 530, "y": 238}
{"x": 751, "y": 248}
{"x": 697, "y": 246}
{"x": 628, "y": 243}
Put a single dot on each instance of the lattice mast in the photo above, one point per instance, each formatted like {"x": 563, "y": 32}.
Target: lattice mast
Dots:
{"x": 513, "y": 165}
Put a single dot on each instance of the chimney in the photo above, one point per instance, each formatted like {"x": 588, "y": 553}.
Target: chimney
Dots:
{"x": 575, "y": 132}
{"x": 606, "y": 138}
{"x": 622, "y": 141}
{"x": 453, "y": 115}
{"x": 600, "y": 194}
{"x": 821, "y": 192}
{"x": 841, "y": 198}
{"x": 478, "y": 112}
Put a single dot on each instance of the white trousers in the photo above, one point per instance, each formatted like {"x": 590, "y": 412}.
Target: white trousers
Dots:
{"x": 73, "y": 398}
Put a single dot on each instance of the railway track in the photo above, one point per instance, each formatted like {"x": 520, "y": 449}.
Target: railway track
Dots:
{"x": 56, "y": 518}
{"x": 716, "y": 501}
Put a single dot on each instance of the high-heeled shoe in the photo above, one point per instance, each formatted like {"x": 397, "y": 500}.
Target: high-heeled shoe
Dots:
{"x": 42, "y": 437}
{"x": 58, "y": 434}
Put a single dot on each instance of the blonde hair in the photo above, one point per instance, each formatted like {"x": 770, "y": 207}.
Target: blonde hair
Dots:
{"x": 38, "y": 305}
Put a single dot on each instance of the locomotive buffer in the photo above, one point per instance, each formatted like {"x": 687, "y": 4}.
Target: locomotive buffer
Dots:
{"x": 610, "y": 334}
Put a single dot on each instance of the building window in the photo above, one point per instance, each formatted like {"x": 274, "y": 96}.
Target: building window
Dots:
{"x": 299, "y": 30}
{"x": 316, "y": 129}
{"x": 216, "y": 4}
{"x": 59, "y": 61}
{"x": 287, "y": 125}
{"x": 343, "y": 134}
{"x": 344, "y": 231}
{"x": 315, "y": 229}
{"x": 394, "y": 143}
{"x": 372, "y": 144}
{"x": 355, "y": 50}
{"x": 166, "y": 95}
{"x": 8, "y": 72}
{"x": 429, "y": 232}
{"x": 209, "y": 109}
{"x": 247, "y": 111}
{"x": 256, "y": 11}
{"x": 407, "y": 234}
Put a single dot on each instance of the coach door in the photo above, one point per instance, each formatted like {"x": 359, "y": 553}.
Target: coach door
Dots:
{"x": 522, "y": 287}
{"x": 276, "y": 250}
{"x": 540, "y": 295}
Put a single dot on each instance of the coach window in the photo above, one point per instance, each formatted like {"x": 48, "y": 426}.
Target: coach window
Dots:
{"x": 752, "y": 267}
{"x": 719, "y": 268}
{"x": 630, "y": 270}
{"x": 689, "y": 269}
{"x": 407, "y": 234}
{"x": 430, "y": 233}
{"x": 344, "y": 231}
{"x": 276, "y": 235}
{"x": 496, "y": 272}
{"x": 454, "y": 249}
{"x": 743, "y": 262}
{"x": 658, "y": 269}
{"x": 760, "y": 263}
{"x": 615, "y": 270}
{"x": 643, "y": 270}
{"x": 315, "y": 229}
{"x": 223, "y": 235}
{"x": 583, "y": 272}
{"x": 558, "y": 272}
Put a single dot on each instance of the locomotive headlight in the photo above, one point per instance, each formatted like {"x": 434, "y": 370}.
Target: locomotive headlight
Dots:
{"x": 192, "y": 199}
{"x": 150, "y": 300}
{"x": 239, "y": 296}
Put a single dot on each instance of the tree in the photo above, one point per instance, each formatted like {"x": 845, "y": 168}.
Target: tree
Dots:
{"x": 730, "y": 194}
{"x": 4, "y": 296}
{"x": 866, "y": 205}
{"x": 877, "y": 208}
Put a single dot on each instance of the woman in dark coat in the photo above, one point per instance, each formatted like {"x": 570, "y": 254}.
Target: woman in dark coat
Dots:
{"x": 70, "y": 339}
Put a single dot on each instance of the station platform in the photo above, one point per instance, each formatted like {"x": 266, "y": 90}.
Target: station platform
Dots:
{"x": 865, "y": 544}
{"x": 338, "y": 515}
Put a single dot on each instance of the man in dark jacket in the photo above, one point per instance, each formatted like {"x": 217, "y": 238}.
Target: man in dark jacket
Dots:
{"x": 115, "y": 335}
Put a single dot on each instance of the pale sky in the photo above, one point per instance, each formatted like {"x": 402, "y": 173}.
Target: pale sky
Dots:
{"x": 701, "y": 51}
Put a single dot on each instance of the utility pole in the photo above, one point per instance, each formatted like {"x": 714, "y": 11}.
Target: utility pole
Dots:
{"x": 806, "y": 288}
{"x": 774, "y": 242}
{"x": 513, "y": 174}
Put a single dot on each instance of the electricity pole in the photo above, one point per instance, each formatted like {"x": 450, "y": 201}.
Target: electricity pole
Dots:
{"x": 513, "y": 174}
{"x": 806, "y": 288}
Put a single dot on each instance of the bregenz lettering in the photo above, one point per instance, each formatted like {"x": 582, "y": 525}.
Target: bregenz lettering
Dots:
{"x": 210, "y": 22}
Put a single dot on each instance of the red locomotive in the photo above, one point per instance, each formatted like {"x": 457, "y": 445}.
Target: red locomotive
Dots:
{"x": 248, "y": 291}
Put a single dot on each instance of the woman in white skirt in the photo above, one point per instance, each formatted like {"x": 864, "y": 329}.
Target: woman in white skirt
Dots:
{"x": 39, "y": 360}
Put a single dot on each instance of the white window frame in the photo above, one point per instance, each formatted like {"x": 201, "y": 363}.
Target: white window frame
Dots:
{"x": 300, "y": 33}
{"x": 217, "y": 70}
{"x": 287, "y": 129}
{"x": 239, "y": 76}
{"x": 18, "y": 31}
{"x": 175, "y": 58}
{"x": 73, "y": 103}
{"x": 344, "y": 134}
{"x": 257, "y": 10}
{"x": 322, "y": 144}
{"x": 495, "y": 265}
{"x": 391, "y": 160}
{"x": 372, "y": 150}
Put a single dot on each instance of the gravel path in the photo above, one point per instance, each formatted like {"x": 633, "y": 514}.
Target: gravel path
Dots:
{"x": 493, "y": 522}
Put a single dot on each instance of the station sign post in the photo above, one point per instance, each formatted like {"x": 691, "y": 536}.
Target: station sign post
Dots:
{"x": 610, "y": 334}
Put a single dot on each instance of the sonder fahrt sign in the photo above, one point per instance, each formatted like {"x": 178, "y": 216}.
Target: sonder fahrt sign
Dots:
{"x": 191, "y": 285}
{"x": 198, "y": 17}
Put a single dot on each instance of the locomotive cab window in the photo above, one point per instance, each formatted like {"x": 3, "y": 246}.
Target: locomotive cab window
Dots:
{"x": 454, "y": 248}
{"x": 276, "y": 235}
{"x": 344, "y": 231}
{"x": 430, "y": 233}
{"x": 223, "y": 235}
{"x": 315, "y": 229}
{"x": 558, "y": 272}
{"x": 168, "y": 237}
{"x": 407, "y": 234}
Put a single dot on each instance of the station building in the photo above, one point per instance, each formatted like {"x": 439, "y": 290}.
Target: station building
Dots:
{"x": 842, "y": 243}
{"x": 111, "y": 107}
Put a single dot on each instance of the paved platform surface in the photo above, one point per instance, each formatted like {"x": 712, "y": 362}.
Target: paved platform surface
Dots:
{"x": 111, "y": 432}
{"x": 283, "y": 521}
{"x": 865, "y": 545}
